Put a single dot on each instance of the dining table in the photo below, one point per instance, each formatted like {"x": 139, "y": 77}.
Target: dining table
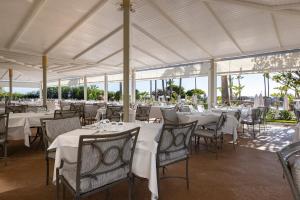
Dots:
{"x": 144, "y": 159}
{"x": 230, "y": 126}
{"x": 19, "y": 125}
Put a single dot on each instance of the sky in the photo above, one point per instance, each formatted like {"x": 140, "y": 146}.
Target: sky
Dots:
{"x": 254, "y": 84}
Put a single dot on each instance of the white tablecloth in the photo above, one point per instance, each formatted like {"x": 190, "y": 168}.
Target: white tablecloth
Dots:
{"x": 19, "y": 125}
{"x": 203, "y": 118}
{"x": 144, "y": 160}
{"x": 296, "y": 137}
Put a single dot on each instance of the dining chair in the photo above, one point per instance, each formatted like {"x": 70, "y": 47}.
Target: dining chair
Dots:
{"x": 3, "y": 135}
{"x": 169, "y": 115}
{"x": 212, "y": 133}
{"x": 65, "y": 113}
{"x": 36, "y": 109}
{"x": 142, "y": 113}
{"x": 90, "y": 113}
{"x": 103, "y": 161}
{"x": 184, "y": 108}
{"x": 114, "y": 113}
{"x": 79, "y": 108}
{"x": 290, "y": 162}
{"x": 173, "y": 147}
{"x": 39, "y": 134}
{"x": 253, "y": 119}
{"x": 53, "y": 127}
{"x": 263, "y": 116}
{"x": 16, "y": 108}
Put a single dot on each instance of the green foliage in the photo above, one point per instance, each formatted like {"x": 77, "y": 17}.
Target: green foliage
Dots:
{"x": 271, "y": 114}
{"x": 285, "y": 115}
{"x": 290, "y": 80}
{"x": 197, "y": 92}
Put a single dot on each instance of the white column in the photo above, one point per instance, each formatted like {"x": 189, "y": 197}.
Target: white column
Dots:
{"x": 44, "y": 64}
{"x": 85, "y": 88}
{"x": 105, "y": 88}
{"x": 41, "y": 90}
{"x": 59, "y": 89}
{"x": 133, "y": 86}
{"x": 126, "y": 57}
{"x": 212, "y": 84}
{"x": 10, "y": 74}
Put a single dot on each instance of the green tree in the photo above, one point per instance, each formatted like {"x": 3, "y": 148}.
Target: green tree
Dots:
{"x": 289, "y": 79}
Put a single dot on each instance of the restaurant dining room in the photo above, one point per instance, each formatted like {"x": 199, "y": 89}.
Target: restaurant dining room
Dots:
{"x": 150, "y": 99}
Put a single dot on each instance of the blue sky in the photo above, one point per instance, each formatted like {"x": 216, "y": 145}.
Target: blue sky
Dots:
{"x": 254, "y": 84}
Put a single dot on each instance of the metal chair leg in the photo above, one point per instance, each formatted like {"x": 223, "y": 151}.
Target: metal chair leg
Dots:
{"x": 187, "y": 173}
{"x": 47, "y": 171}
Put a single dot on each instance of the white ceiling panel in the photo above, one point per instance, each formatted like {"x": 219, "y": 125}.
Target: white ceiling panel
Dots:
{"x": 252, "y": 29}
{"x": 52, "y": 22}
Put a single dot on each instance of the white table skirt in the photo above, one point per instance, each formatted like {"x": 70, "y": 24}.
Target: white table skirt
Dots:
{"x": 230, "y": 126}
{"x": 296, "y": 137}
{"x": 144, "y": 160}
{"x": 19, "y": 125}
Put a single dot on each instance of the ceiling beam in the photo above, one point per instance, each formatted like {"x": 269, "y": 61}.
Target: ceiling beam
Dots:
{"x": 4, "y": 74}
{"x": 258, "y": 6}
{"x": 18, "y": 77}
{"x": 110, "y": 55}
{"x": 81, "y": 21}
{"x": 149, "y": 54}
{"x": 139, "y": 61}
{"x": 171, "y": 21}
{"x": 286, "y": 6}
{"x": 140, "y": 29}
{"x": 221, "y": 24}
{"x": 94, "y": 65}
{"x": 26, "y": 22}
{"x": 99, "y": 41}
{"x": 275, "y": 26}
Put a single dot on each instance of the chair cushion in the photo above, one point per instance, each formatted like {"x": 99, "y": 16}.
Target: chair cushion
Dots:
{"x": 169, "y": 157}
{"x": 90, "y": 183}
{"x": 170, "y": 116}
{"x": 295, "y": 169}
{"x": 206, "y": 133}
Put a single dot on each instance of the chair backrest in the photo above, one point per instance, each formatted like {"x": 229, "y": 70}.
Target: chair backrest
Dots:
{"x": 90, "y": 110}
{"x": 221, "y": 121}
{"x": 36, "y": 109}
{"x": 100, "y": 157}
{"x": 237, "y": 114}
{"x": 65, "y": 113}
{"x": 4, "y": 126}
{"x": 142, "y": 113}
{"x": 54, "y": 127}
{"x": 175, "y": 137}
{"x": 297, "y": 114}
{"x": 285, "y": 156}
{"x": 184, "y": 108}
{"x": 255, "y": 114}
{"x": 15, "y": 108}
{"x": 169, "y": 115}
{"x": 78, "y": 107}
{"x": 263, "y": 113}
{"x": 113, "y": 113}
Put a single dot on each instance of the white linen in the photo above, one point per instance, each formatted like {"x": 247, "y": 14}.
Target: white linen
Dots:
{"x": 144, "y": 160}
{"x": 256, "y": 101}
{"x": 297, "y": 105}
{"x": 296, "y": 137}
{"x": 19, "y": 125}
